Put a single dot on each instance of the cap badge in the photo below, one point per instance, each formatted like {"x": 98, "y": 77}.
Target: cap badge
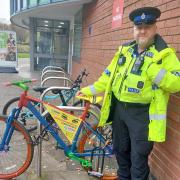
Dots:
{"x": 143, "y": 16}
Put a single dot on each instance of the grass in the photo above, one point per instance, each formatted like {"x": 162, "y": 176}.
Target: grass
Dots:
{"x": 23, "y": 55}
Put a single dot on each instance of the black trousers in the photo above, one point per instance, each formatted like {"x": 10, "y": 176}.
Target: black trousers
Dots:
{"x": 130, "y": 140}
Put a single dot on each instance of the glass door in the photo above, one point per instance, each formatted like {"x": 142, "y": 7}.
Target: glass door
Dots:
{"x": 51, "y": 44}
{"x": 61, "y": 44}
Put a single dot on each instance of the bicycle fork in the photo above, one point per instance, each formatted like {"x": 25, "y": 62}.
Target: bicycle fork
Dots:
{"x": 4, "y": 145}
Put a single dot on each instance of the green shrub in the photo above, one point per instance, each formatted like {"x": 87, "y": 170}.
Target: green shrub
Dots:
{"x": 23, "y": 48}
{"x": 23, "y": 55}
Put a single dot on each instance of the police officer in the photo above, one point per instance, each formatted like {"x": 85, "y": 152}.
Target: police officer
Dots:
{"x": 137, "y": 84}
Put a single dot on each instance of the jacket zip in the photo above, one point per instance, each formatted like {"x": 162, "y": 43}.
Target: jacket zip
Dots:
{"x": 124, "y": 76}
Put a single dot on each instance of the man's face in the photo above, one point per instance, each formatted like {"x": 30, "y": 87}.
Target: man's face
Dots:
{"x": 144, "y": 34}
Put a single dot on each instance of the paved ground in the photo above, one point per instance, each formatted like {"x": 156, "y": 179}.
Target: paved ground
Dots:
{"x": 54, "y": 164}
{"x": 10, "y": 92}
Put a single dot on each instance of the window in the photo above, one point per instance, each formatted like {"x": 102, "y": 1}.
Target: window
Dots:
{"x": 32, "y": 3}
{"x": 23, "y": 4}
{"x": 44, "y": 36}
{"x": 44, "y": 1}
{"x": 57, "y": 0}
{"x": 77, "y": 35}
{"x": 12, "y": 7}
{"x": 16, "y": 5}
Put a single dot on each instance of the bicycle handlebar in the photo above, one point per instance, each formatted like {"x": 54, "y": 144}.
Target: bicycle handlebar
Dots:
{"x": 21, "y": 84}
{"x": 91, "y": 99}
{"x": 78, "y": 80}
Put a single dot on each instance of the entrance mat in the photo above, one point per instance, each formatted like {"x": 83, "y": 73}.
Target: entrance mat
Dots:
{"x": 8, "y": 70}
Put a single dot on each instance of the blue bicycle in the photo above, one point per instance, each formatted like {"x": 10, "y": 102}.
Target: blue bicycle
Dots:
{"x": 63, "y": 97}
{"x": 87, "y": 144}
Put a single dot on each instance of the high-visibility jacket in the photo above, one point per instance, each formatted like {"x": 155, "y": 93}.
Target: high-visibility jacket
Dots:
{"x": 158, "y": 76}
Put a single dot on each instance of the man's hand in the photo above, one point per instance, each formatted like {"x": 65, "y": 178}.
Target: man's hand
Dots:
{"x": 79, "y": 93}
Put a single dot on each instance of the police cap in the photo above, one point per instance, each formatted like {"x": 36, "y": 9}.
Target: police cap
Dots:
{"x": 145, "y": 15}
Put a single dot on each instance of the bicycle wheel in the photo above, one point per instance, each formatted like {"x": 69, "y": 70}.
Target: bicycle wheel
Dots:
{"x": 15, "y": 159}
{"x": 90, "y": 141}
{"x": 26, "y": 117}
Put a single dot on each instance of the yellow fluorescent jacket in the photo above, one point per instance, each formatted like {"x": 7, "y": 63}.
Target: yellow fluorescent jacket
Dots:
{"x": 160, "y": 75}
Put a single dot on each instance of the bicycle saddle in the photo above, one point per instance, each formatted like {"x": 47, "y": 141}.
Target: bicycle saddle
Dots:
{"x": 39, "y": 89}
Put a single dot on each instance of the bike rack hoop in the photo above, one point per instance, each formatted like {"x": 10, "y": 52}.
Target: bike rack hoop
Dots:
{"x": 65, "y": 80}
{"x": 49, "y": 73}
{"x": 52, "y": 68}
{"x": 53, "y": 88}
{"x": 39, "y": 152}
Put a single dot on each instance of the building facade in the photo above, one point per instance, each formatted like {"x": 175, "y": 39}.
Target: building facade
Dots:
{"x": 55, "y": 28}
{"x": 90, "y": 42}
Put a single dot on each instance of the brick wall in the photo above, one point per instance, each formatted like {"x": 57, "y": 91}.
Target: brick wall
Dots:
{"x": 99, "y": 47}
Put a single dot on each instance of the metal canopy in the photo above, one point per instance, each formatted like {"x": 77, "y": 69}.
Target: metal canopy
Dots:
{"x": 64, "y": 10}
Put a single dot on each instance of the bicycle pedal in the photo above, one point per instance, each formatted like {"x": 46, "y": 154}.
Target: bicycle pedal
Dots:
{"x": 95, "y": 173}
{"x": 86, "y": 164}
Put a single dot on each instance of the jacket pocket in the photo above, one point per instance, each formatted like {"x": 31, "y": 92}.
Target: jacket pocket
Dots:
{"x": 134, "y": 84}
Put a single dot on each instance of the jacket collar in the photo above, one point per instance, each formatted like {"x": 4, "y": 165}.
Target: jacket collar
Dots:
{"x": 159, "y": 43}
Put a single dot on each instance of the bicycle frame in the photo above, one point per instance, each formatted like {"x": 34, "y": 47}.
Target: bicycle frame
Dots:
{"x": 25, "y": 101}
{"x": 64, "y": 98}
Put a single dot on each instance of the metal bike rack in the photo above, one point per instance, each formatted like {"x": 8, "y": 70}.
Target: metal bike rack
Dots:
{"x": 57, "y": 68}
{"x": 39, "y": 153}
{"x": 67, "y": 81}
{"x": 53, "y": 73}
{"x": 64, "y": 79}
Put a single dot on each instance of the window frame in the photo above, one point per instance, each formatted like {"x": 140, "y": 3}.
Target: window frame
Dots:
{"x": 77, "y": 37}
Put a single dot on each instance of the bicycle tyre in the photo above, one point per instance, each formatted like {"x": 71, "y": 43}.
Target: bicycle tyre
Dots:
{"x": 17, "y": 158}
{"x": 22, "y": 119}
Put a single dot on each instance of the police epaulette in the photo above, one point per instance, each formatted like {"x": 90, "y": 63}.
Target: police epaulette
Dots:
{"x": 129, "y": 43}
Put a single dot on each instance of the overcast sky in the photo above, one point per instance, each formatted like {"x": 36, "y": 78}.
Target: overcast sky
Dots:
{"x": 4, "y": 12}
